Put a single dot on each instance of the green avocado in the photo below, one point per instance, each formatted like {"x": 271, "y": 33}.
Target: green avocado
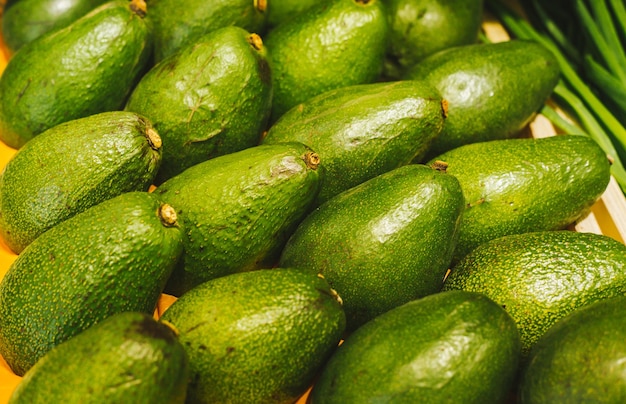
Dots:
{"x": 449, "y": 347}
{"x": 279, "y": 11}
{"x": 364, "y": 130}
{"x": 519, "y": 185}
{"x": 257, "y": 337}
{"x": 71, "y": 167}
{"x": 176, "y": 25}
{"x": 384, "y": 242}
{"x": 208, "y": 99}
{"x": 581, "y": 358}
{"x": 85, "y": 68}
{"x": 419, "y": 28}
{"x": 25, "y": 20}
{"x": 493, "y": 90}
{"x": 540, "y": 277}
{"x": 128, "y": 357}
{"x": 238, "y": 210}
{"x": 333, "y": 44}
{"x": 113, "y": 257}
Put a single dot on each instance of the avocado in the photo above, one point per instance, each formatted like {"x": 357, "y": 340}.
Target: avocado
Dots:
{"x": 449, "y": 347}
{"x": 176, "y": 25}
{"x": 238, "y": 210}
{"x": 127, "y": 357}
{"x": 257, "y": 337}
{"x": 208, "y": 99}
{"x": 419, "y": 28}
{"x": 384, "y": 242}
{"x": 493, "y": 90}
{"x": 520, "y": 185}
{"x": 540, "y": 277}
{"x": 25, "y": 20}
{"x": 83, "y": 69}
{"x": 113, "y": 257}
{"x": 71, "y": 167}
{"x": 364, "y": 130}
{"x": 333, "y": 44}
{"x": 581, "y": 358}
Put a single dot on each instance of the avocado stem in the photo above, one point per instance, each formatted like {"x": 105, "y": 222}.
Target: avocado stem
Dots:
{"x": 139, "y": 7}
{"x": 153, "y": 138}
{"x": 167, "y": 214}
{"x": 444, "y": 108}
{"x": 256, "y": 41}
{"x": 260, "y": 5}
{"x": 312, "y": 160}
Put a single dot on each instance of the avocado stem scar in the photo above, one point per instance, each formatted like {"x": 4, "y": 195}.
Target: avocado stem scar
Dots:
{"x": 139, "y": 7}
{"x": 167, "y": 214}
{"x": 312, "y": 160}
{"x": 256, "y": 41}
{"x": 153, "y": 138}
{"x": 260, "y": 5}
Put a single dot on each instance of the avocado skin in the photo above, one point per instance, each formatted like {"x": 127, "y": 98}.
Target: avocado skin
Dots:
{"x": 448, "y": 347}
{"x": 539, "y": 277}
{"x": 284, "y": 10}
{"x": 71, "y": 167}
{"x": 27, "y": 20}
{"x": 578, "y": 360}
{"x": 208, "y": 99}
{"x": 384, "y": 242}
{"x": 127, "y": 357}
{"x": 363, "y": 130}
{"x": 113, "y": 257}
{"x": 257, "y": 337}
{"x": 493, "y": 90}
{"x": 333, "y": 44}
{"x": 238, "y": 210}
{"x": 419, "y": 28}
{"x": 85, "y": 68}
{"x": 520, "y": 185}
{"x": 176, "y": 25}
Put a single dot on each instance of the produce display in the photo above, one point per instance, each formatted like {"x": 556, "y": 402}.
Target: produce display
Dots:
{"x": 331, "y": 201}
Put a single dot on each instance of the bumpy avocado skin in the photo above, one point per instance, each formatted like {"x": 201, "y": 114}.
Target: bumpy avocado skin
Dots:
{"x": 238, "y": 210}
{"x": 26, "y": 20}
{"x": 384, "y": 242}
{"x": 493, "y": 90}
{"x": 127, "y": 357}
{"x": 257, "y": 337}
{"x": 333, "y": 44}
{"x": 176, "y": 25}
{"x": 71, "y": 167}
{"x": 520, "y": 185}
{"x": 419, "y": 28}
{"x": 209, "y": 99}
{"x": 579, "y": 360}
{"x": 448, "y": 347}
{"x": 85, "y": 68}
{"x": 364, "y": 130}
{"x": 113, "y": 257}
{"x": 540, "y": 277}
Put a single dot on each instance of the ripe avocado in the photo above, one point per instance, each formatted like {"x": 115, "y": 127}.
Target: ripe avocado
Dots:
{"x": 419, "y": 28}
{"x": 71, "y": 167}
{"x": 85, "y": 68}
{"x": 384, "y": 242}
{"x": 493, "y": 90}
{"x": 208, "y": 99}
{"x": 520, "y": 185}
{"x": 581, "y": 358}
{"x": 452, "y": 347}
{"x": 333, "y": 44}
{"x": 25, "y": 20}
{"x": 239, "y": 209}
{"x": 540, "y": 277}
{"x": 113, "y": 257}
{"x": 364, "y": 130}
{"x": 128, "y": 357}
{"x": 176, "y": 25}
{"x": 257, "y": 337}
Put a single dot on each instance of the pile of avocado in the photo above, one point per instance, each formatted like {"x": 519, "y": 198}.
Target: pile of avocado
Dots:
{"x": 342, "y": 196}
